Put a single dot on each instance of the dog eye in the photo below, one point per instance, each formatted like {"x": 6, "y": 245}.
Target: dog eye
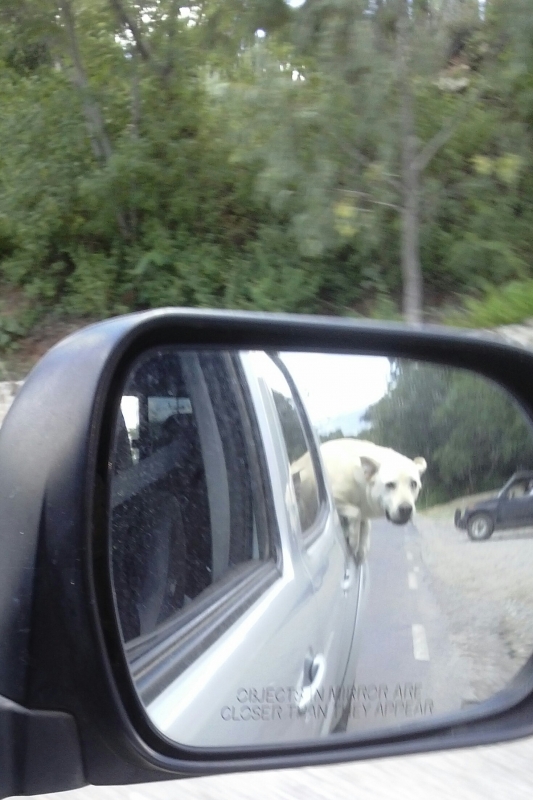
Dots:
{"x": 390, "y": 485}
{"x": 414, "y": 485}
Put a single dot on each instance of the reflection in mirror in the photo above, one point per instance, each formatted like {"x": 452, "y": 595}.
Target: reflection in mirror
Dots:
{"x": 305, "y": 544}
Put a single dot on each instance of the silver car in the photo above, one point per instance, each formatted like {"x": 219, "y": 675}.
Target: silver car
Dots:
{"x": 237, "y": 594}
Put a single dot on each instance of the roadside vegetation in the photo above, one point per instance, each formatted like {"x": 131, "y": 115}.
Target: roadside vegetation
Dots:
{"x": 471, "y": 433}
{"x": 354, "y": 157}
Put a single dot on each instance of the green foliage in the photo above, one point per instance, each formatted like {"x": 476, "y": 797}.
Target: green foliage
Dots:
{"x": 14, "y": 327}
{"x": 10, "y": 330}
{"x": 469, "y": 431}
{"x": 384, "y": 307}
{"x": 328, "y": 437}
{"x": 253, "y": 170}
{"x": 504, "y": 305}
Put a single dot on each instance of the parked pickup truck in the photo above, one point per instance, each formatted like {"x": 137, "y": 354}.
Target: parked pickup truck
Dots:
{"x": 512, "y": 507}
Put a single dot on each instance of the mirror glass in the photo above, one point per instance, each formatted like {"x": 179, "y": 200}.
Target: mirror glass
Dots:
{"x": 306, "y": 544}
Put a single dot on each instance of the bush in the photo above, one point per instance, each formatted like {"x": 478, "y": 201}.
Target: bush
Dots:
{"x": 500, "y": 305}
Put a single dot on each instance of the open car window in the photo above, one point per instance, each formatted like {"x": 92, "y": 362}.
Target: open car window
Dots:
{"x": 297, "y": 438}
{"x": 187, "y": 500}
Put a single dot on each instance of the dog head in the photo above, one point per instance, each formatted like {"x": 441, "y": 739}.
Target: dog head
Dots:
{"x": 394, "y": 484}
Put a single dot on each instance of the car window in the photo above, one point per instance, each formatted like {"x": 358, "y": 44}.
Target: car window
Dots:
{"x": 518, "y": 489}
{"x": 187, "y": 505}
{"x": 301, "y": 458}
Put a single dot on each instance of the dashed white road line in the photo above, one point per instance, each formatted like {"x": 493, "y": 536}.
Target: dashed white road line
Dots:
{"x": 412, "y": 581}
{"x": 420, "y": 643}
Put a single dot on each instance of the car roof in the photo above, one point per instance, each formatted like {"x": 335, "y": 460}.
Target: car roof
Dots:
{"x": 522, "y": 474}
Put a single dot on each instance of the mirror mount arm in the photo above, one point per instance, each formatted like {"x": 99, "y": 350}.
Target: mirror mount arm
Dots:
{"x": 40, "y": 751}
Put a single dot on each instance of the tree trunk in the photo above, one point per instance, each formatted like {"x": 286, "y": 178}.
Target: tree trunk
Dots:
{"x": 100, "y": 141}
{"x": 410, "y": 246}
{"x": 172, "y": 26}
{"x": 135, "y": 97}
{"x": 129, "y": 22}
{"x": 410, "y": 185}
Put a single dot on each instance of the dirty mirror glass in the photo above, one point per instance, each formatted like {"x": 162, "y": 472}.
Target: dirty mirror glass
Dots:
{"x": 308, "y": 544}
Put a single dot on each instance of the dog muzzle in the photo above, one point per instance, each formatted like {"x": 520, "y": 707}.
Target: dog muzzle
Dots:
{"x": 402, "y": 517}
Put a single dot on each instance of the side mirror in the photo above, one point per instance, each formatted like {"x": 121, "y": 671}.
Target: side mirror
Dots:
{"x": 239, "y": 541}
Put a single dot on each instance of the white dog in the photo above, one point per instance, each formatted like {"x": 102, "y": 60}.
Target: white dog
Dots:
{"x": 368, "y": 481}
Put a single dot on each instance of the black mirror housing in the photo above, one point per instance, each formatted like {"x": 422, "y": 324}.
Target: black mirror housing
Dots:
{"x": 66, "y": 698}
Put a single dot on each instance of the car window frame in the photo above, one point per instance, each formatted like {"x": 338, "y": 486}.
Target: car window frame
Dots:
{"x": 159, "y": 657}
{"x": 313, "y": 532}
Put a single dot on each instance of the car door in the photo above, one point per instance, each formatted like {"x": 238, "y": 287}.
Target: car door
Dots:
{"x": 239, "y": 638}
{"x": 329, "y": 669}
{"x": 516, "y": 505}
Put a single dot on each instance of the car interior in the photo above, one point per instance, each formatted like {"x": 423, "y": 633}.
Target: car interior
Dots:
{"x": 190, "y": 479}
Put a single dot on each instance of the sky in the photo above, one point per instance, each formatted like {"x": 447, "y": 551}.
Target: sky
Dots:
{"x": 330, "y": 384}
{"x": 334, "y": 384}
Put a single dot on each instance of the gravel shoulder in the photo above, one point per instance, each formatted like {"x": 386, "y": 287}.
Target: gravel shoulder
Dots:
{"x": 485, "y": 591}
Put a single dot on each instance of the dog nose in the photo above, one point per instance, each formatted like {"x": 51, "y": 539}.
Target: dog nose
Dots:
{"x": 405, "y": 511}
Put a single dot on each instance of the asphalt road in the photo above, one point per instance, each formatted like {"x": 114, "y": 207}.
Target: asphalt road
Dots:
{"x": 408, "y": 668}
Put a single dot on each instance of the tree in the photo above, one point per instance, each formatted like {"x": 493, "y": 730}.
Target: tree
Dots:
{"x": 471, "y": 433}
{"x": 247, "y": 154}
{"x": 349, "y": 144}
{"x": 404, "y": 418}
{"x": 117, "y": 186}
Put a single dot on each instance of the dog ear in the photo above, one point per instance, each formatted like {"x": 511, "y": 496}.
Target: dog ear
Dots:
{"x": 370, "y": 467}
{"x": 421, "y": 463}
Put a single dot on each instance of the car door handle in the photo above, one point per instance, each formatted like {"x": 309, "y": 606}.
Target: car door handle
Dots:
{"x": 347, "y": 579}
{"x": 314, "y": 672}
